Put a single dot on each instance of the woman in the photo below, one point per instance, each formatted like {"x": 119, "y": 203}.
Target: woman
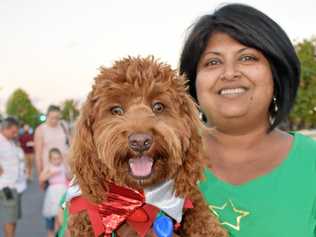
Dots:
{"x": 51, "y": 134}
{"x": 244, "y": 72}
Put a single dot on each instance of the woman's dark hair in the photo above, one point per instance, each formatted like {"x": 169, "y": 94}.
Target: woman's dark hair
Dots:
{"x": 254, "y": 29}
{"x": 53, "y": 108}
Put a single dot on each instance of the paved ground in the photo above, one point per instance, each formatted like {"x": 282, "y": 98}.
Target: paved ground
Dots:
{"x": 32, "y": 223}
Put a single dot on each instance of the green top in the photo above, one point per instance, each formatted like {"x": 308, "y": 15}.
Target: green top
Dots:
{"x": 281, "y": 203}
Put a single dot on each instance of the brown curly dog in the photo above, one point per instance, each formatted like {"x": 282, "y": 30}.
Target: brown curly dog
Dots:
{"x": 139, "y": 128}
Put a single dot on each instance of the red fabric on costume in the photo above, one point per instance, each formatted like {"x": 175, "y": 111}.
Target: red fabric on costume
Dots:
{"x": 121, "y": 204}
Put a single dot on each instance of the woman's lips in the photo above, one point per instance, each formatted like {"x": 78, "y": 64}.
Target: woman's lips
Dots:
{"x": 232, "y": 92}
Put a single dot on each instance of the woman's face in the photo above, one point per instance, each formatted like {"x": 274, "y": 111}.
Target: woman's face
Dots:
{"x": 53, "y": 118}
{"x": 233, "y": 81}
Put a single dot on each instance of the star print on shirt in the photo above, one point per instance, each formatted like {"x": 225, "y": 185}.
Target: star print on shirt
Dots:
{"x": 229, "y": 211}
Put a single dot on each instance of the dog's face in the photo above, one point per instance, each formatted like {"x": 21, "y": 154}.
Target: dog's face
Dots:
{"x": 141, "y": 122}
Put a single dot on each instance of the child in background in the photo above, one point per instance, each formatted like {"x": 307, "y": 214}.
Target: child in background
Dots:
{"x": 55, "y": 174}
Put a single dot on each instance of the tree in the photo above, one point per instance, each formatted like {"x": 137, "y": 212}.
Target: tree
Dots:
{"x": 304, "y": 112}
{"x": 69, "y": 111}
{"x": 20, "y": 106}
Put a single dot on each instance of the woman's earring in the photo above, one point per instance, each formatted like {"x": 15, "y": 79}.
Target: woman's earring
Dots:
{"x": 202, "y": 116}
{"x": 274, "y": 109}
{"x": 275, "y": 104}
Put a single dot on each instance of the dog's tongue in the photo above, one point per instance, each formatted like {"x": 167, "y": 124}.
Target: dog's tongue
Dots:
{"x": 141, "y": 166}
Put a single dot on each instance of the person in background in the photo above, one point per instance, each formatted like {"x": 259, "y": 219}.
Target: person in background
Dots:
{"x": 244, "y": 72}
{"x": 10, "y": 171}
{"x": 55, "y": 174}
{"x": 51, "y": 134}
{"x": 62, "y": 218}
{"x": 26, "y": 142}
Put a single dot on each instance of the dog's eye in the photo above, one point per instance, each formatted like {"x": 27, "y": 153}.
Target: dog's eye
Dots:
{"x": 117, "y": 110}
{"x": 158, "y": 107}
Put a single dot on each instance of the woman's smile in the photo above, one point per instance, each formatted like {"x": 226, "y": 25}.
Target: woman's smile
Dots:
{"x": 232, "y": 92}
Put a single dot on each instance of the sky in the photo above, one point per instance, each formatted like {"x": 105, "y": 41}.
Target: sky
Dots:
{"x": 53, "y": 48}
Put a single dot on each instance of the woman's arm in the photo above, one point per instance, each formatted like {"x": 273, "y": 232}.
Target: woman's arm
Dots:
{"x": 1, "y": 170}
{"x": 38, "y": 147}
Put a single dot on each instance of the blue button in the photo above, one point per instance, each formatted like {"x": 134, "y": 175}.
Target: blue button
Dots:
{"x": 163, "y": 226}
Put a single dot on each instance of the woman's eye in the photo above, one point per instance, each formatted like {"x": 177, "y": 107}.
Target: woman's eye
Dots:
{"x": 158, "y": 107}
{"x": 117, "y": 110}
{"x": 212, "y": 62}
{"x": 247, "y": 58}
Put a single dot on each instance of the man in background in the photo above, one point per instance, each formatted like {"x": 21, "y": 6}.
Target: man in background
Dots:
{"x": 10, "y": 204}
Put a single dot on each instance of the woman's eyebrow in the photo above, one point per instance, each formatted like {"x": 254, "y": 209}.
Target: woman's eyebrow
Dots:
{"x": 212, "y": 52}
{"x": 219, "y": 53}
{"x": 243, "y": 49}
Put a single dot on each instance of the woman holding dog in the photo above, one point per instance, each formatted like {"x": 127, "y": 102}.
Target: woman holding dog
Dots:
{"x": 244, "y": 72}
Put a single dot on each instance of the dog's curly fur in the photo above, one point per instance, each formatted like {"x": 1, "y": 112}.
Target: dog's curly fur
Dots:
{"x": 100, "y": 150}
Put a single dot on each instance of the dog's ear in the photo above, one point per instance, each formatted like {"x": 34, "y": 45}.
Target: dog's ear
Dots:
{"x": 84, "y": 162}
{"x": 193, "y": 165}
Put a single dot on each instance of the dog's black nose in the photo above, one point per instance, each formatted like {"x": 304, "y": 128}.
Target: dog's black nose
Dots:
{"x": 140, "y": 142}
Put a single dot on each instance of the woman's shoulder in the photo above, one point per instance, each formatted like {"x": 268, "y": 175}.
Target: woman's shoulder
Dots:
{"x": 304, "y": 148}
{"x": 40, "y": 128}
{"x": 305, "y": 142}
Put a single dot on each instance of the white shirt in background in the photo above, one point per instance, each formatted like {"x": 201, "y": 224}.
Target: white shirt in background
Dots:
{"x": 10, "y": 163}
{"x": 21, "y": 182}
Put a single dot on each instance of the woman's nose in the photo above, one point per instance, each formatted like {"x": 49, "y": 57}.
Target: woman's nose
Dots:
{"x": 230, "y": 72}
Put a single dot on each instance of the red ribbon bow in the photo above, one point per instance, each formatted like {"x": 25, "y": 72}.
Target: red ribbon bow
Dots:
{"x": 122, "y": 204}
